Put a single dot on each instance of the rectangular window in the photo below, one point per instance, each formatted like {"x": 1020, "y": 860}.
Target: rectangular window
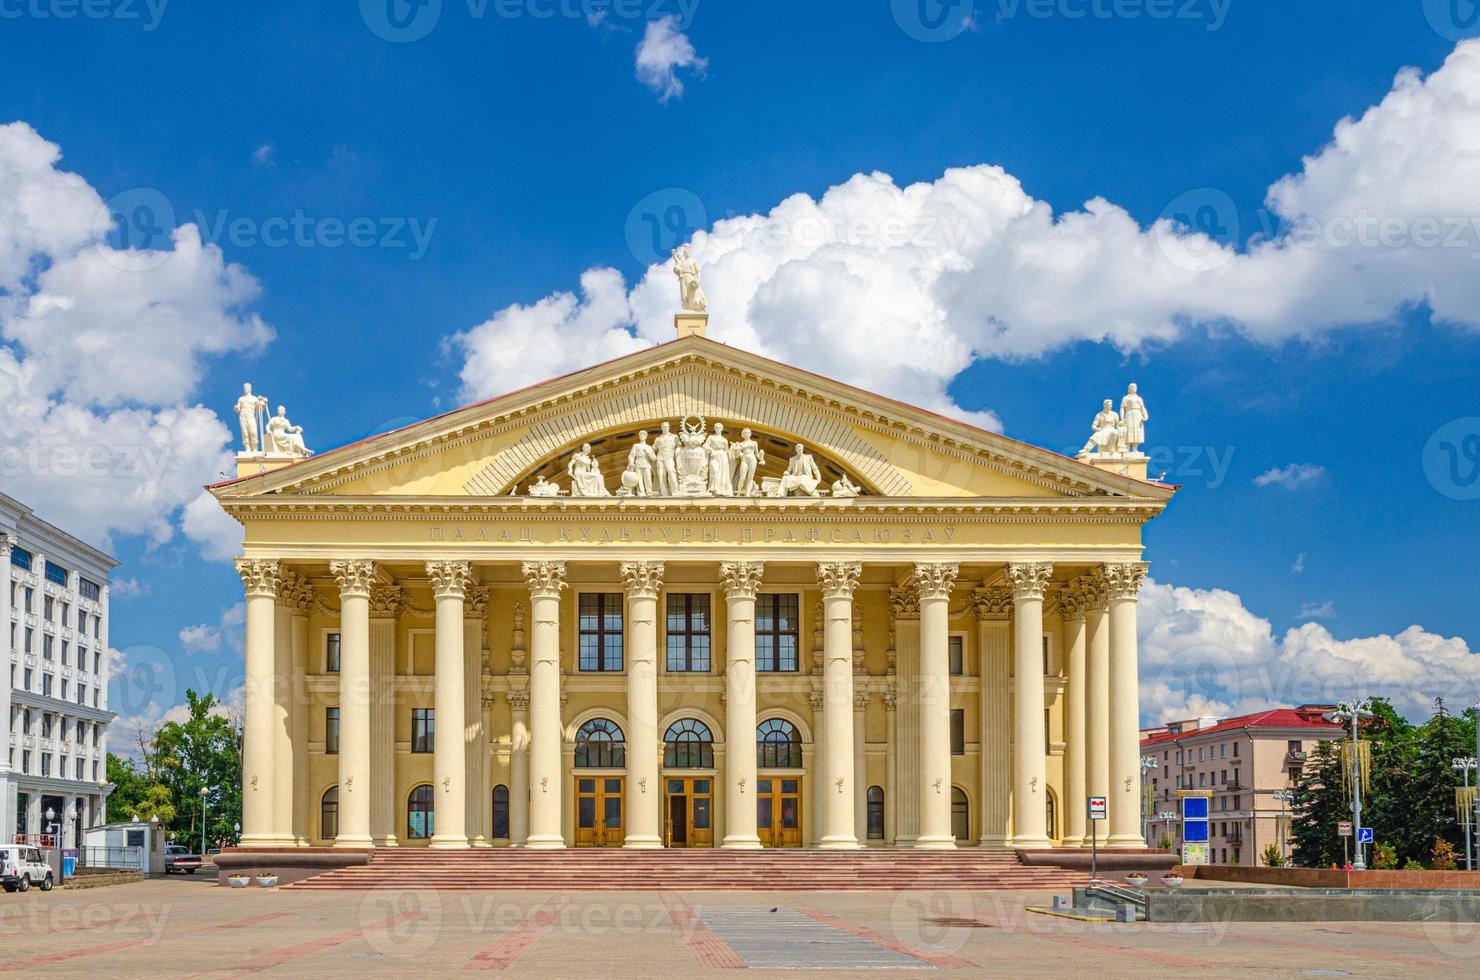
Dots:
{"x": 1223, "y": 751}
{"x": 1235, "y": 750}
{"x": 30, "y": 599}
{"x": 958, "y": 656}
{"x": 958, "y": 731}
{"x": 20, "y": 558}
{"x": 600, "y": 626}
{"x": 56, "y": 573}
{"x": 46, "y": 647}
{"x": 1047, "y": 671}
{"x": 46, "y": 685}
{"x": 89, "y": 589}
{"x": 331, "y": 731}
{"x": 423, "y": 729}
{"x": 48, "y": 608}
{"x": 777, "y": 623}
{"x": 331, "y": 653}
{"x": 688, "y": 633}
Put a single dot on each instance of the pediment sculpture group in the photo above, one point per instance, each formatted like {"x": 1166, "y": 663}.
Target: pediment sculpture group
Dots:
{"x": 1119, "y": 434}
{"x": 695, "y": 461}
{"x": 268, "y": 435}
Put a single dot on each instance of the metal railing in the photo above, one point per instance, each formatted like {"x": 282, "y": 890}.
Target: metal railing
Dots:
{"x": 126, "y": 858}
{"x": 1117, "y": 894}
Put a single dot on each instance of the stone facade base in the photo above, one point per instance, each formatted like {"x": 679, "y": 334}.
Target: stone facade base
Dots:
{"x": 289, "y": 864}
{"x": 1119, "y": 861}
{"x": 1325, "y": 878}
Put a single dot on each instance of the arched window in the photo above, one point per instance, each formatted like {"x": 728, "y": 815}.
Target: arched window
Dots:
{"x": 778, "y": 746}
{"x": 1052, "y": 817}
{"x": 688, "y": 744}
{"x": 421, "y": 819}
{"x": 329, "y": 814}
{"x": 876, "y": 813}
{"x": 501, "y": 812}
{"x": 960, "y": 814}
{"x": 600, "y": 745}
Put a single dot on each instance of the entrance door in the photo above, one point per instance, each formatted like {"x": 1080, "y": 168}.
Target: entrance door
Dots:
{"x": 599, "y": 812}
{"x": 778, "y": 819}
{"x": 689, "y": 812}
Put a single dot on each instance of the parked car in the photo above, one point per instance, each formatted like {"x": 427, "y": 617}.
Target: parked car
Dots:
{"x": 179, "y": 858}
{"x": 21, "y": 867}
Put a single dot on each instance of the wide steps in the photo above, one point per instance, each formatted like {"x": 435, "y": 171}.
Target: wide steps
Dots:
{"x": 692, "y": 870}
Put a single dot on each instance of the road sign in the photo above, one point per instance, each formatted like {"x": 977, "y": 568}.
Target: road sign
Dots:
{"x": 1364, "y": 835}
{"x": 1344, "y": 829}
{"x": 1097, "y": 808}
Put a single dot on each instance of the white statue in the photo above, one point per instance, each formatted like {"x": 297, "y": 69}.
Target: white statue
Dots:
{"x": 1133, "y": 416}
{"x": 641, "y": 461}
{"x": 1108, "y": 437}
{"x": 631, "y": 483}
{"x": 284, "y": 437}
{"x": 693, "y": 459}
{"x": 585, "y": 474}
{"x": 801, "y": 474}
{"x": 845, "y": 487}
{"x": 666, "y": 449}
{"x": 249, "y": 411}
{"x": 690, "y": 293}
{"x": 543, "y": 488}
{"x": 719, "y": 463}
{"x": 748, "y": 455}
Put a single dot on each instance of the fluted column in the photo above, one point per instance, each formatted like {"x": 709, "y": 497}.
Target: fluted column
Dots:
{"x": 546, "y": 581}
{"x": 933, "y": 583}
{"x": 1074, "y": 802}
{"x": 741, "y": 580}
{"x": 282, "y": 714}
{"x": 450, "y": 580}
{"x": 1096, "y": 688}
{"x": 994, "y": 647}
{"x": 355, "y": 577}
{"x": 518, "y": 767}
{"x": 643, "y": 580}
{"x": 838, "y": 580}
{"x": 1123, "y": 581}
{"x": 300, "y": 603}
{"x": 260, "y": 578}
{"x": 385, "y": 806}
{"x": 478, "y": 802}
{"x": 860, "y": 766}
{"x": 1029, "y": 768}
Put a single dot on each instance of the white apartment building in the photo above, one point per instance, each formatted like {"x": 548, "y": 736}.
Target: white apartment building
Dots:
{"x": 54, "y": 608}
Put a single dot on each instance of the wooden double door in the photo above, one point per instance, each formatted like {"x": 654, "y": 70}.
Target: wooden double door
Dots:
{"x": 688, "y": 811}
{"x": 599, "y": 811}
{"x": 778, "y": 818}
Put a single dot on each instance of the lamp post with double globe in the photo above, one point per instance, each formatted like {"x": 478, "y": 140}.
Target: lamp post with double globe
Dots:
{"x": 1148, "y": 765}
{"x": 1284, "y": 796}
{"x": 1466, "y": 765}
{"x": 1354, "y": 712}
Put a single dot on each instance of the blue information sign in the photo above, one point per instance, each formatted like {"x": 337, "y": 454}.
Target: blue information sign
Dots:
{"x": 1195, "y": 808}
{"x": 1364, "y": 835}
{"x": 1195, "y": 832}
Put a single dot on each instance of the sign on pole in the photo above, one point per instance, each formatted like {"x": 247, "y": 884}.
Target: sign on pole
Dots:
{"x": 1097, "y": 807}
{"x": 1364, "y": 835}
{"x": 1344, "y": 829}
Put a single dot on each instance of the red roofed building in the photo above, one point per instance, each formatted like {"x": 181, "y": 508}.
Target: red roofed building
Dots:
{"x": 1242, "y": 762}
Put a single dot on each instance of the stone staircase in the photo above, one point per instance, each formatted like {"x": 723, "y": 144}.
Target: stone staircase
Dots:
{"x": 969, "y": 869}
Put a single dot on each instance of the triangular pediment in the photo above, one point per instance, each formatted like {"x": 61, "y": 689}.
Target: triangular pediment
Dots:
{"x": 494, "y": 448}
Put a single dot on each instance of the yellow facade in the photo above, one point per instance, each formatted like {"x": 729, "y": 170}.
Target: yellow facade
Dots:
{"x": 448, "y": 588}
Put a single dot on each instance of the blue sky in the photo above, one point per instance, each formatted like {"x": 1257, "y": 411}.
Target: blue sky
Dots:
{"x": 505, "y": 159}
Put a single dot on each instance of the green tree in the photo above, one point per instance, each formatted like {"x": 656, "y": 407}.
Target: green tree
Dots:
{"x": 1320, "y": 804}
{"x": 202, "y": 752}
{"x": 1431, "y": 785}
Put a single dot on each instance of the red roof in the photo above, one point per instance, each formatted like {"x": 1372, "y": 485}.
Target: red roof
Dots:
{"x": 1311, "y": 716}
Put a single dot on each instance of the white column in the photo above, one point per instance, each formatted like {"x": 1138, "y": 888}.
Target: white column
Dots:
{"x": 1029, "y": 768}
{"x": 891, "y": 768}
{"x": 450, "y": 580}
{"x": 385, "y": 802}
{"x": 904, "y": 604}
{"x": 741, "y": 579}
{"x": 479, "y": 796}
{"x": 300, "y": 602}
{"x": 933, "y": 582}
{"x": 282, "y": 716}
{"x": 838, "y": 580}
{"x": 994, "y": 653}
{"x": 1123, "y": 581}
{"x": 356, "y": 788}
{"x": 1096, "y": 689}
{"x": 546, "y": 580}
{"x": 518, "y": 767}
{"x": 1074, "y": 801}
{"x": 260, "y": 577}
{"x": 643, "y": 580}
{"x": 8, "y": 798}
{"x": 860, "y": 766}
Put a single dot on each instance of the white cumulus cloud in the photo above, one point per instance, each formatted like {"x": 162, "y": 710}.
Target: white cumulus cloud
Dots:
{"x": 1290, "y": 477}
{"x": 663, "y": 51}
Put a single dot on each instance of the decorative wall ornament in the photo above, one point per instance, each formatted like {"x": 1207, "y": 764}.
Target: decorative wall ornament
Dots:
{"x": 861, "y": 700}
{"x": 1029, "y": 579}
{"x": 355, "y": 577}
{"x": 890, "y": 699}
{"x": 904, "y": 601}
{"x": 992, "y": 604}
{"x": 296, "y": 593}
{"x": 260, "y": 576}
{"x": 450, "y": 579}
{"x": 517, "y": 651}
{"x": 838, "y": 578}
{"x": 642, "y": 579}
{"x": 1123, "y": 579}
{"x": 934, "y": 580}
{"x": 447, "y": 784}
{"x": 815, "y": 699}
{"x": 936, "y": 784}
{"x": 518, "y": 699}
{"x": 475, "y": 602}
{"x": 546, "y": 579}
{"x": 543, "y": 488}
{"x": 840, "y": 781}
{"x": 386, "y": 601}
{"x": 741, "y": 578}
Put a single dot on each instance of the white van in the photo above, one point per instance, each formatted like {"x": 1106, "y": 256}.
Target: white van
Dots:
{"x": 21, "y": 867}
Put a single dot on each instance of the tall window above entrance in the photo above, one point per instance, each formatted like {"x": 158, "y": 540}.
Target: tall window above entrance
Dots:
{"x": 601, "y": 631}
{"x": 600, "y": 745}
{"x": 778, "y": 746}
{"x": 688, "y": 632}
{"x": 688, "y": 745}
{"x": 776, "y": 625}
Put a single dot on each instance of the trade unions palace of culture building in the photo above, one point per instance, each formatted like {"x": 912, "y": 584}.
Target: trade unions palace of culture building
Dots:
{"x": 690, "y": 597}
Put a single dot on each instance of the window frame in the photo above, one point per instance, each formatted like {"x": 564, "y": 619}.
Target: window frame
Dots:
{"x": 604, "y": 636}
{"x": 680, "y": 741}
{"x": 500, "y": 812}
{"x": 326, "y": 808}
{"x": 874, "y": 810}
{"x": 427, "y": 804}
{"x": 956, "y": 655}
{"x": 333, "y": 652}
{"x": 331, "y": 730}
{"x": 770, "y": 661}
{"x": 423, "y": 731}
{"x": 682, "y": 660}
{"x": 958, "y": 731}
{"x": 612, "y": 747}
{"x": 764, "y": 745}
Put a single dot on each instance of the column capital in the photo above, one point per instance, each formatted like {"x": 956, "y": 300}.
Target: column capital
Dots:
{"x": 860, "y": 701}
{"x": 816, "y": 699}
{"x": 546, "y": 579}
{"x": 295, "y": 593}
{"x": 891, "y": 700}
{"x": 1123, "y": 579}
{"x": 518, "y": 700}
{"x": 933, "y": 580}
{"x": 475, "y": 602}
{"x": 741, "y": 578}
{"x": 992, "y": 605}
{"x": 1074, "y": 601}
{"x": 5, "y": 545}
{"x": 386, "y": 601}
{"x": 261, "y": 576}
{"x": 904, "y": 602}
{"x": 642, "y": 579}
{"x": 838, "y": 578}
{"x": 355, "y": 577}
{"x": 1028, "y": 579}
{"x": 450, "y": 579}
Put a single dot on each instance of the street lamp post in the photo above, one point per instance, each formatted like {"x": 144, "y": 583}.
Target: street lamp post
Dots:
{"x": 1354, "y": 712}
{"x": 1284, "y": 796}
{"x": 1464, "y": 765}
{"x": 203, "y": 806}
{"x": 1148, "y": 764}
{"x": 1166, "y": 817}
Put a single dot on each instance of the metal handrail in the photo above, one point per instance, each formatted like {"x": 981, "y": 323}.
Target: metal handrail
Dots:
{"x": 1116, "y": 892}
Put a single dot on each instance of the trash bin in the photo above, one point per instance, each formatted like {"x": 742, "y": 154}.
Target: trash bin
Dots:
{"x": 69, "y": 867}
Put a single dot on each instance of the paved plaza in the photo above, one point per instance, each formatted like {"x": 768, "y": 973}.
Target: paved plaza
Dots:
{"x": 190, "y": 927}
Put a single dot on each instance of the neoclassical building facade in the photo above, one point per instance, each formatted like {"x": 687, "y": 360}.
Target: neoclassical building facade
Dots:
{"x": 583, "y": 614}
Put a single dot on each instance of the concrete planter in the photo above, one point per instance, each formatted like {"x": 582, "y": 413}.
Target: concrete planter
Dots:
{"x": 269, "y": 881}
{"x": 238, "y": 882}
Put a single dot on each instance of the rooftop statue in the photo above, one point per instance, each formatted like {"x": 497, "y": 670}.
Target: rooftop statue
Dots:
{"x": 690, "y": 293}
